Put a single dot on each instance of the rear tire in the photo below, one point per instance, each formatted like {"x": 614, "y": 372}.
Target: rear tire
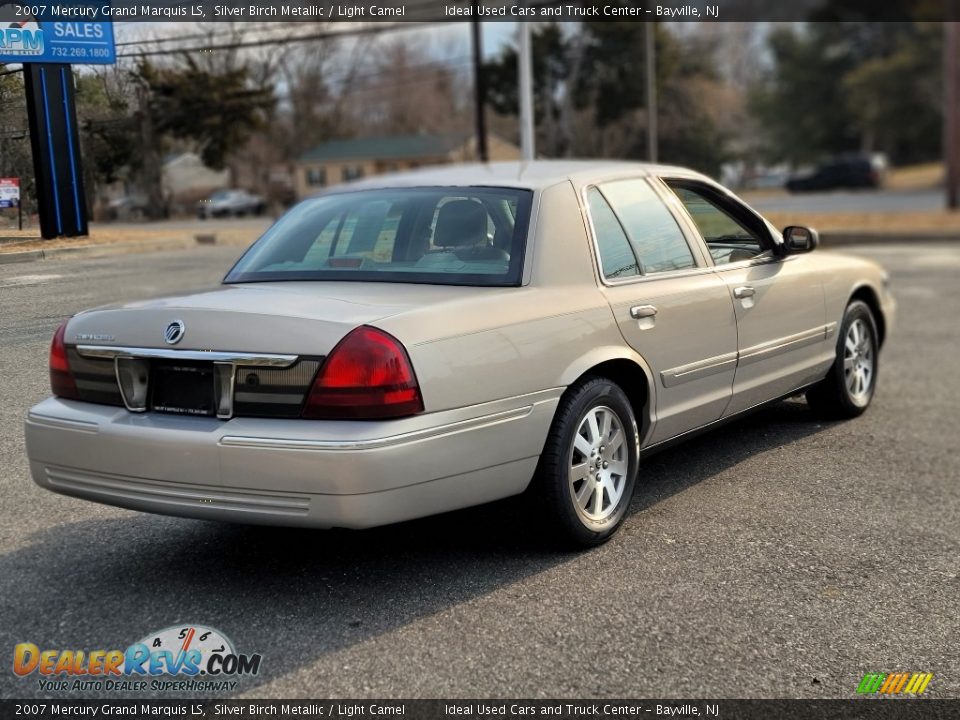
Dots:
{"x": 848, "y": 388}
{"x": 588, "y": 468}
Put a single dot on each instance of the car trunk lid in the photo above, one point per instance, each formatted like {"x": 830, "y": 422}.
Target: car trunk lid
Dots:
{"x": 299, "y": 318}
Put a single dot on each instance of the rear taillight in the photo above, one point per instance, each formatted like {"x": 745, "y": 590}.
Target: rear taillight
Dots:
{"x": 367, "y": 376}
{"x": 61, "y": 379}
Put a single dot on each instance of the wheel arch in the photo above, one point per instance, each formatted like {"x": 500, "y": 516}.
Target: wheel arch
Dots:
{"x": 630, "y": 372}
{"x": 868, "y": 294}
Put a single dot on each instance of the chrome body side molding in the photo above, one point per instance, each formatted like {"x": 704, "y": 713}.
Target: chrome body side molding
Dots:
{"x": 700, "y": 369}
{"x": 782, "y": 345}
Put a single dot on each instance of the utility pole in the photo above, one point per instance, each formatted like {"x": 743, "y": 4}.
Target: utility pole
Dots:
{"x": 649, "y": 32}
{"x": 479, "y": 87}
{"x": 951, "y": 114}
{"x": 525, "y": 88}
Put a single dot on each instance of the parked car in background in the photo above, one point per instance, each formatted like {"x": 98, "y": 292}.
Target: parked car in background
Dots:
{"x": 427, "y": 341}
{"x": 231, "y": 203}
{"x": 129, "y": 208}
{"x": 856, "y": 170}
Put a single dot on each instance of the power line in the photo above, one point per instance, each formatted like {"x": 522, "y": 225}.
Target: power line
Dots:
{"x": 323, "y": 35}
{"x": 272, "y": 28}
{"x": 195, "y": 36}
{"x": 374, "y": 29}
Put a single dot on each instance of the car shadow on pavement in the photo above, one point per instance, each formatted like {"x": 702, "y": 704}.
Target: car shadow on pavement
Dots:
{"x": 672, "y": 471}
{"x": 296, "y": 596}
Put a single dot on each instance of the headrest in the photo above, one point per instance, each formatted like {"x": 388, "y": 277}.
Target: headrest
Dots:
{"x": 460, "y": 223}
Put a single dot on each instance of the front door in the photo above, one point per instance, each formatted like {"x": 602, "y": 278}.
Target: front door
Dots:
{"x": 784, "y": 342}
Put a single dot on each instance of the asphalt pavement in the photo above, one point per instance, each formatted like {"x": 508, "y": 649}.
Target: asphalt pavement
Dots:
{"x": 780, "y": 556}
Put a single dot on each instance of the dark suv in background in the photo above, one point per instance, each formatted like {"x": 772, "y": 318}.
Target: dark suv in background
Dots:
{"x": 854, "y": 170}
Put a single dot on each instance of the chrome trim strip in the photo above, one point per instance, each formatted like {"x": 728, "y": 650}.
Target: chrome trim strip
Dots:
{"x": 224, "y": 373}
{"x": 127, "y": 402}
{"x": 663, "y": 275}
{"x": 262, "y": 443}
{"x": 239, "y": 358}
{"x": 831, "y": 328}
{"x": 696, "y": 370}
{"x": 785, "y": 344}
{"x": 62, "y": 423}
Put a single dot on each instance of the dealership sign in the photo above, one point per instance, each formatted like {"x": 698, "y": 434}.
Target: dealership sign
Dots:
{"x": 27, "y": 40}
{"x": 9, "y": 192}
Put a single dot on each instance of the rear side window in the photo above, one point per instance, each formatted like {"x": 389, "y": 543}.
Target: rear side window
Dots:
{"x": 444, "y": 236}
{"x": 656, "y": 237}
{"x": 616, "y": 256}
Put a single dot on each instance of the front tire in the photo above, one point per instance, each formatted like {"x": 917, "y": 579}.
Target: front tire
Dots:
{"x": 588, "y": 468}
{"x": 848, "y": 388}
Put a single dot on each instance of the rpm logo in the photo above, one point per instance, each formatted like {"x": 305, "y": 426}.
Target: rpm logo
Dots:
{"x": 22, "y": 38}
{"x": 190, "y": 650}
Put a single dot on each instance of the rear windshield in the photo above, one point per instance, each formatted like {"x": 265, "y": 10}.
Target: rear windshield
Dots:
{"x": 444, "y": 236}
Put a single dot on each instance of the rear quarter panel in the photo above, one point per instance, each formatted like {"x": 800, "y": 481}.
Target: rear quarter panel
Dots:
{"x": 506, "y": 342}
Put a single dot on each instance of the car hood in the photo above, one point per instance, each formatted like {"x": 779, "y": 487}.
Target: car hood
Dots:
{"x": 280, "y": 317}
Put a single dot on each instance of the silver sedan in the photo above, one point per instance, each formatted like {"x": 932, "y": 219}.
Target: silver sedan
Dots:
{"x": 430, "y": 341}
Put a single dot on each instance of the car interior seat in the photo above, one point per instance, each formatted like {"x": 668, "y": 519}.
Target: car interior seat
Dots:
{"x": 462, "y": 229}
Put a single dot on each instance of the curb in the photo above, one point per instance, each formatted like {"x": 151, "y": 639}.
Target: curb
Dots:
{"x": 20, "y": 257}
{"x": 106, "y": 249}
{"x": 838, "y": 238}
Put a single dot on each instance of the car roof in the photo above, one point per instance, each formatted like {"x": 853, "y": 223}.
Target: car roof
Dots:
{"x": 529, "y": 175}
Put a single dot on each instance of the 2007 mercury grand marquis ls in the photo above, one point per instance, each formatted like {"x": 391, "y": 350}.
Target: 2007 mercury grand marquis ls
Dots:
{"x": 429, "y": 341}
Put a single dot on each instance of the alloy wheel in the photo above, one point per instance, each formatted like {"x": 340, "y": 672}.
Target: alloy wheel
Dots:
{"x": 599, "y": 461}
{"x": 858, "y": 361}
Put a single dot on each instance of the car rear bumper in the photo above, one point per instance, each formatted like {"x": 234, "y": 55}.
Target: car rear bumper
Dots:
{"x": 351, "y": 474}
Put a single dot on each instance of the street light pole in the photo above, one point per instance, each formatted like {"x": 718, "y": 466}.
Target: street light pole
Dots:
{"x": 951, "y": 115}
{"x": 525, "y": 88}
{"x": 651, "y": 63}
{"x": 479, "y": 88}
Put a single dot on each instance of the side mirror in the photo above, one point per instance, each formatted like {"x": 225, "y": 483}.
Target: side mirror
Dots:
{"x": 799, "y": 239}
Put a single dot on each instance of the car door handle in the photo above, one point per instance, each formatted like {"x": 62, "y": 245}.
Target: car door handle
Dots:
{"x": 642, "y": 311}
{"x": 744, "y": 291}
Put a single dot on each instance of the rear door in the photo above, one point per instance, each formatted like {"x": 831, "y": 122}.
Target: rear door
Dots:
{"x": 670, "y": 306}
{"x": 779, "y": 301}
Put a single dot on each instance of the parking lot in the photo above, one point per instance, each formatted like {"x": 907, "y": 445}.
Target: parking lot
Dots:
{"x": 779, "y": 556}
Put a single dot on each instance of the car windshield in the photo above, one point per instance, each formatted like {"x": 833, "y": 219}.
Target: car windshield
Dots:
{"x": 444, "y": 236}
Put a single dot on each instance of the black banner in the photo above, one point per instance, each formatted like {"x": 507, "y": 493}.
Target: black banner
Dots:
{"x": 392, "y": 11}
{"x": 867, "y": 709}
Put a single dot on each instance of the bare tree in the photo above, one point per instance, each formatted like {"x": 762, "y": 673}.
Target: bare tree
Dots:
{"x": 408, "y": 91}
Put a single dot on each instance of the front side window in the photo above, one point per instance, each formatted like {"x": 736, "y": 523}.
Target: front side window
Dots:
{"x": 446, "y": 236}
{"x": 728, "y": 239}
{"x": 616, "y": 256}
{"x": 656, "y": 237}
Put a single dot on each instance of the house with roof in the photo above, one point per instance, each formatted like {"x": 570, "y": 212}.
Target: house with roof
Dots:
{"x": 340, "y": 161}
